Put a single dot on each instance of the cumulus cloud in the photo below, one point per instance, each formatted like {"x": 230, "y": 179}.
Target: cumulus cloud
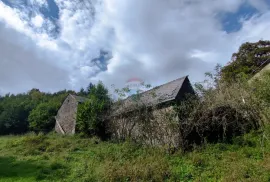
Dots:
{"x": 38, "y": 21}
{"x": 154, "y": 40}
{"x": 23, "y": 66}
{"x": 160, "y": 40}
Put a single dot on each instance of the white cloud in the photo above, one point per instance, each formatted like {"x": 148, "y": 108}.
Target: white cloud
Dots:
{"x": 24, "y": 66}
{"x": 155, "y": 40}
{"x": 37, "y": 21}
{"x": 11, "y": 18}
{"x": 176, "y": 37}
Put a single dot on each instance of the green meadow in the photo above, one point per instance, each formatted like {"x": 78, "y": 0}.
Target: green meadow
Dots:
{"x": 64, "y": 158}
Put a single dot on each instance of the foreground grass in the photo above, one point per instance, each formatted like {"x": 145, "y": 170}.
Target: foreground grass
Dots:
{"x": 57, "y": 158}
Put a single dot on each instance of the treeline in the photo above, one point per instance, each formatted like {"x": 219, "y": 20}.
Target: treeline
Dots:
{"x": 32, "y": 111}
{"x": 227, "y": 91}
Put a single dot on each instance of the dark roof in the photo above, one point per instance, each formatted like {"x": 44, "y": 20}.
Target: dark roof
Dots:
{"x": 79, "y": 98}
{"x": 160, "y": 94}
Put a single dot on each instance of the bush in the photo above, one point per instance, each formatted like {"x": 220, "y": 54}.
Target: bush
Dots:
{"x": 91, "y": 114}
{"x": 41, "y": 119}
{"x": 89, "y": 117}
{"x": 261, "y": 89}
{"x": 224, "y": 112}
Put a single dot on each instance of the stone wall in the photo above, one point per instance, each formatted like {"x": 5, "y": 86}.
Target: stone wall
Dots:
{"x": 151, "y": 127}
{"x": 66, "y": 116}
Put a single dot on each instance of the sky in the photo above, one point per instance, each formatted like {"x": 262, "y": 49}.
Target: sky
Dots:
{"x": 66, "y": 44}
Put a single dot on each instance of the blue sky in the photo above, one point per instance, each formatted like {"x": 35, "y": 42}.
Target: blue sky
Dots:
{"x": 60, "y": 44}
{"x": 231, "y": 22}
{"x": 50, "y": 11}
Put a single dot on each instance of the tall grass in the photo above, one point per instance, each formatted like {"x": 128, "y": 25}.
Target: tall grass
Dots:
{"x": 57, "y": 158}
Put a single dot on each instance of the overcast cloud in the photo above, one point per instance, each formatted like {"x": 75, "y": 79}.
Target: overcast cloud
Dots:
{"x": 155, "y": 40}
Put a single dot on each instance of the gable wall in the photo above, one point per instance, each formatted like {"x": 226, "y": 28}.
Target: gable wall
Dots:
{"x": 185, "y": 90}
{"x": 66, "y": 116}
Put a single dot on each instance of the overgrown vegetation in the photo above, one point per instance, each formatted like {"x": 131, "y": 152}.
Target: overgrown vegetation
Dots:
{"x": 224, "y": 110}
{"x": 91, "y": 114}
{"x": 229, "y": 115}
{"x": 63, "y": 158}
{"x": 250, "y": 59}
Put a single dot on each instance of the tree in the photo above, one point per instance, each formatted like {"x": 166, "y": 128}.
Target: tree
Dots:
{"x": 90, "y": 115}
{"x": 89, "y": 88}
{"x": 101, "y": 93}
{"x": 41, "y": 119}
{"x": 82, "y": 93}
{"x": 15, "y": 111}
{"x": 250, "y": 59}
{"x": 13, "y": 120}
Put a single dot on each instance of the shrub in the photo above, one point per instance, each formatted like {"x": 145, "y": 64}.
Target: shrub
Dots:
{"x": 261, "y": 89}
{"x": 91, "y": 114}
{"x": 41, "y": 119}
{"x": 224, "y": 112}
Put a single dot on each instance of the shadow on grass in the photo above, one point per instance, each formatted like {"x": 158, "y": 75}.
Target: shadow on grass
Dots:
{"x": 10, "y": 168}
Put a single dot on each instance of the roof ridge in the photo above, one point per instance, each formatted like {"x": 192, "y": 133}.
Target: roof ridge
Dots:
{"x": 163, "y": 93}
{"x": 184, "y": 77}
{"x": 165, "y": 84}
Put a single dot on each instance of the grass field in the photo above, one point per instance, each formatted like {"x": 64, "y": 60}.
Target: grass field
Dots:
{"x": 57, "y": 158}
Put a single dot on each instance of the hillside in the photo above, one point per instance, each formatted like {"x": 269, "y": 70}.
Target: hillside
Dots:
{"x": 57, "y": 158}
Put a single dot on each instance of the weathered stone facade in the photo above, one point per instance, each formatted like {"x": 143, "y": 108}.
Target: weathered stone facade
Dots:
{"x": 150, "y": 127}
{"x": 66, "y": 116}
{"x": 152, "y": 124}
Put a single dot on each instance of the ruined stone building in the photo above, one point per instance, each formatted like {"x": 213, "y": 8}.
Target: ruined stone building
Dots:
{"x": 150, "y": 117}
{"x": 66, "y": 116}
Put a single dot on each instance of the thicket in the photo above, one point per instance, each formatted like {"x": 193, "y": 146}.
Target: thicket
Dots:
{"x": 91, "y": 114}
{"x": 230, "y": 102}
{"x": 223, "y": 113}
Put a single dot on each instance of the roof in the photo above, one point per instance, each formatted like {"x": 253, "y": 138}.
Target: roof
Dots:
{"x": 79, "y": 98}
{"x": 160, "y": 94}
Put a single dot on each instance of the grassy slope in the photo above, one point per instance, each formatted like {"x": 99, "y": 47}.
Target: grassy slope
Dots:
{"x": 55, "y": 158}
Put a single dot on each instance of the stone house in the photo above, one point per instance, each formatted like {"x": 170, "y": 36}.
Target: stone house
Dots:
{"x": 66, "y": 115}
{"x": 150, "y": 117}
